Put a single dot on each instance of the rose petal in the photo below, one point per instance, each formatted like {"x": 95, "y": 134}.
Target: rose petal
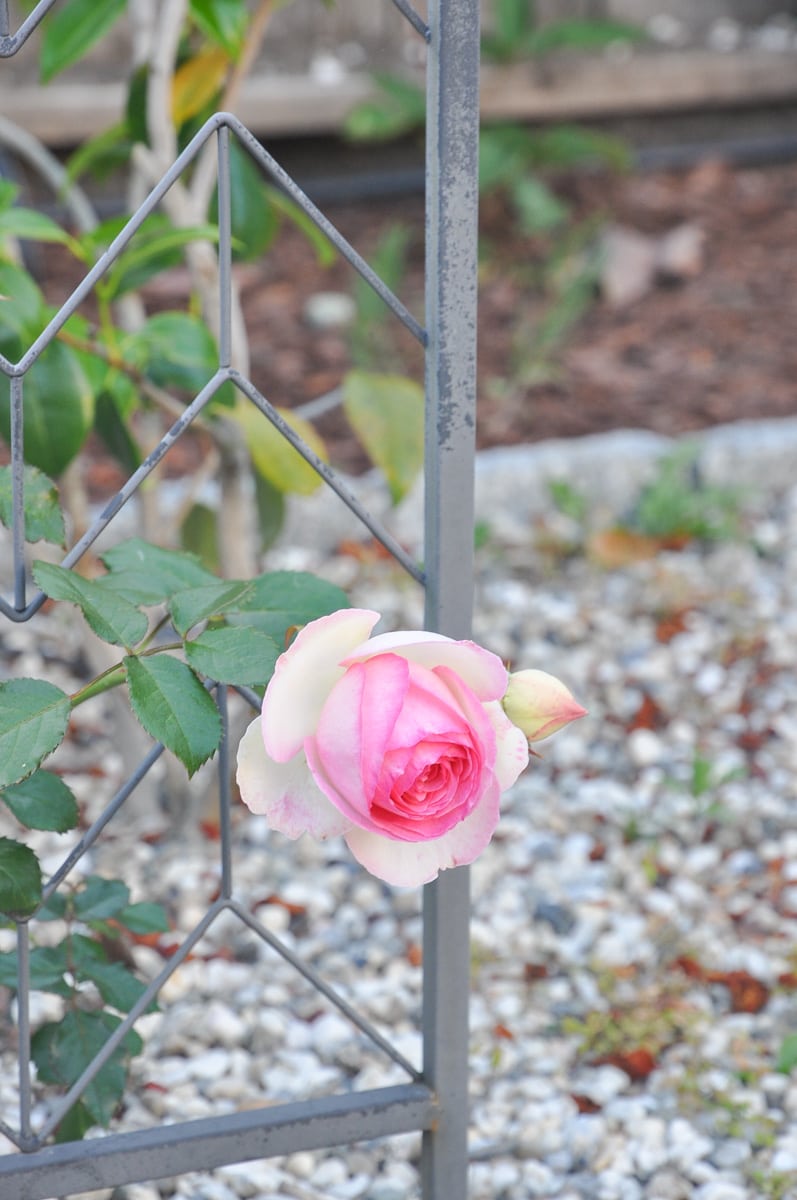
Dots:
{"x": 304, "y": 676}
{"x": 285, "y": 792}
{"x": 482, "y": 671}
{"x": 511, "y": 743}
{"x": 410, "y": 864}
{"x": 353, "y": 732}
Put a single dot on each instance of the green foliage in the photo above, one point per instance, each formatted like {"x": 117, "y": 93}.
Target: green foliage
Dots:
{"x": 387, "y": 412}
{"x": 224, "y": 22}
{"x": 20, "y": 879}
{"x": 400, "y": 108}
{"x": 371, "y": 337}
{"x": 72, "y": 29}
{"x": 568, "y": 500}
{"x": 42, "y": 801}
{"x": 33, "y": 721}
{"x": 678, "y": 504}
{"x": 174, "y": 708}
{"x": 787, "y": 1055}
{"x": 95, "y": 913}
{"x": 43, "y": 519}
{"x": 516, "y": 33}
{"x": 111, "y": 616}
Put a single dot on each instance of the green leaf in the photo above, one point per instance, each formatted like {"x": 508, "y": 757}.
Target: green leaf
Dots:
{"x": 75, "y": 1125}
{"x": 254, "y": 219}
{"x": 111, "y": 616}
{"x": 33, "y": 226}
{"x": 389, "y": 261}
{"x": 62, "y": 1050}
{"x": 505, "y": 152}
{"x": 33, "y": 720}
{"x": 156, "y": 245}
{"x": 387, "y": 414}
{"x": 400, "y": 109}
{"x": 175, "y": 350}
{"x": 21, "y": 305}
{"x": 20, "y": 879}
{"x": 270, "y": 503}
{"x": 115, "y": 984}
{"x": 8, "y": 194}
{"x": 73, "y": 29}
{"x": 538, "y": 209}
{"x": 282, "y": 599}
{"x": 575, "y": 145}
{"x": 512, "y": 18}
{"x": 144, "y": 917}
{"x": 48, "y": 965}
{"x": 142, "y": 567}
{"x": 325, "y": 252}
{"x": 44, "y": 520}
{"x": 115, "y": 431}
{"x": 234, "y": 655}
{"x": 42, "y": 801}
{"x": 101, "y": 154}
{"x": 199, "y": 535}
{"x": 787, "y": 1055}
{"x": 101, "y": 898}
{"x": 58, "y": 409}
{"x": 579, "y": 35}
{"x": 193, "y": 605}
{"x": 223, "y": 22}
{"x": 174, "y": 708}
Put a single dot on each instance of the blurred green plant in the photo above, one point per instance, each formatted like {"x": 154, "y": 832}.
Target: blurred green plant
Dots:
{"x": 89, "y": 967}
{"x": 679, "y": 504}
{"x": 123, "y": 372}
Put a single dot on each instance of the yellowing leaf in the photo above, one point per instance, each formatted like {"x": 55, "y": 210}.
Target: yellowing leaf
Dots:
{"x": 387, "y": 414}
{"x": 273, "y": 456}
{"x": 196, "y": 82}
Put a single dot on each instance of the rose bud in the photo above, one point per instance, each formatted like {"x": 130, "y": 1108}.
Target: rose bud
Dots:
{"x": 539, "y": 704}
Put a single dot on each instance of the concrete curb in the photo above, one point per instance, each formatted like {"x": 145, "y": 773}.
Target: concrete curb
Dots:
{"x": 512, "y": 483}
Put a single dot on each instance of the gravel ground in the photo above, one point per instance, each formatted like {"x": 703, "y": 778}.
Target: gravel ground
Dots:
{"x": 634, "y": 964}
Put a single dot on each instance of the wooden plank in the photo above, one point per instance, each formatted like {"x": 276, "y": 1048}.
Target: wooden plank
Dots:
{"x": 556, "y": 89}
{"x": 564, "y": 87}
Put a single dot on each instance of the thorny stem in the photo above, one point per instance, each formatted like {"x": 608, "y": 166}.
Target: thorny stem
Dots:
{"x": 114, "y": 676}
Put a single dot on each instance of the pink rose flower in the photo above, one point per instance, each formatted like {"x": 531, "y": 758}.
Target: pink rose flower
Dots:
{"x": 398, "y": 742}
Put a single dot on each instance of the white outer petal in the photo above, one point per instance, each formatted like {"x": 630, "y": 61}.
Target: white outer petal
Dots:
{"x": 304, "y": 676}
{"x": 511, "y": 743}
{"x": 285, "y": 793}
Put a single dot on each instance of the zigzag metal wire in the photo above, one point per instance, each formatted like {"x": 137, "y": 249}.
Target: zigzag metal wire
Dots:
{"x": 222, "y": 124}
{"x": 11, "y": 43}
{"x": 414, "y": 18}
{"x": 20, "y": 610}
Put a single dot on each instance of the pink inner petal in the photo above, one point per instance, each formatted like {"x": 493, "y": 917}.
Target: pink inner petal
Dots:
{"x": 354, "y": 730}
{"x": 481, "y": 670}
{"x": 410, "y": 864}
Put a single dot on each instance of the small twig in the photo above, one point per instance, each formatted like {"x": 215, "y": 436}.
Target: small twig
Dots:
{"x": 51, "y": 171}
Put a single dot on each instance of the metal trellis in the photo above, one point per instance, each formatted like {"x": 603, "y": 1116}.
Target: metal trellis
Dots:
{"x": 434, "y": 1100}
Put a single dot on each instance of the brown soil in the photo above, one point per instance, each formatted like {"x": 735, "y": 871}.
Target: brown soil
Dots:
{"x": 714, "y": 347}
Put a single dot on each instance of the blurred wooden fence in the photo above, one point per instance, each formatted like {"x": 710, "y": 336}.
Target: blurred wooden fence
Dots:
{"x": 317, "y": 63}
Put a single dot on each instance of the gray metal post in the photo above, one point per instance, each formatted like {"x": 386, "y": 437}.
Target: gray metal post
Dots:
{"x": 452, "y": 132}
